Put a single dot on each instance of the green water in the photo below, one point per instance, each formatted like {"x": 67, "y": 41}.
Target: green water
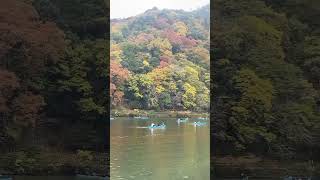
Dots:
{"x": 181, "y": 151}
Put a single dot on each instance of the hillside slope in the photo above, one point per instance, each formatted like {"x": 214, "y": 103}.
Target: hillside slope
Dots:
{"x": 160, "y": 60}
{"x": 266, "y": 77}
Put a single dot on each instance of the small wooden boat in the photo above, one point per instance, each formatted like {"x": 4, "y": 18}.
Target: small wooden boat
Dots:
{"x": 202, "y": 118}
{"x": 182, "y": 120}
{"x": 162, "y": 126}
{"x": 198, "y": 123}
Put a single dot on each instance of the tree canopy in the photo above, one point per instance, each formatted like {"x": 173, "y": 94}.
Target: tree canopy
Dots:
{"x": 160, "y": 60}
{"x": 265, "y": 77}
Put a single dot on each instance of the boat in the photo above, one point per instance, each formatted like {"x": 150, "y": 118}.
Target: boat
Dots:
{"x": 162, "y": 126}
{"x": 202, "y": 118}
{"x": 141, "y": 117}
{"x": 182, "y": 119}
{"x": 111, "y": 118}
{"x": 198, "y": 123}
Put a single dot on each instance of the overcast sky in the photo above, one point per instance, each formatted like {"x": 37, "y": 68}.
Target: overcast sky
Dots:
{"x": 127, "y": 8}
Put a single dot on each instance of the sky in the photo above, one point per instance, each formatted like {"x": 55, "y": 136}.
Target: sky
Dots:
{"x": 128, "y": 8}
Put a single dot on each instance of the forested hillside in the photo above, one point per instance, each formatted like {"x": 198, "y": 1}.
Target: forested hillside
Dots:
{"x": 266, "y": 66}
{"x": 160, "y": 60}
{"x": 53, "y": 85}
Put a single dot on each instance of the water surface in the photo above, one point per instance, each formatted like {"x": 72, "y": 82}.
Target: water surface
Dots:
{"x": 181, "y": 151}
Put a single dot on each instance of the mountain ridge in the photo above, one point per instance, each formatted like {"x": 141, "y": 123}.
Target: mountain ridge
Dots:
{"x": 162, "y": 9}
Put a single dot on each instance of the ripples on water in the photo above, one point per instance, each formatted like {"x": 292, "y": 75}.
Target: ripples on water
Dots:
{"x": 181, "y": 151}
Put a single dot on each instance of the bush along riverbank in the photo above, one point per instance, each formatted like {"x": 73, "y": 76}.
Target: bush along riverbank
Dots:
{"x": 265, "y": 168}
{"x": 34, "y": 162}
{"x": 123, "y": 112}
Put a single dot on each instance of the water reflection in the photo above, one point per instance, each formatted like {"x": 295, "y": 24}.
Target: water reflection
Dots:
{"x": 181, "y": 151}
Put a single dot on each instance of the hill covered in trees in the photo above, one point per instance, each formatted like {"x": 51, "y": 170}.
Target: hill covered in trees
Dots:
{"x": 266, "y": 68}
{"x": 53, "y": 86}
{"x": 160, "y": 60}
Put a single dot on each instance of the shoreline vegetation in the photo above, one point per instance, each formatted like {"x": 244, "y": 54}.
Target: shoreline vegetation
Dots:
{"x": 262, "y": 167}
{"x": 124, "y": 112}
{"x": 54, "y": 163}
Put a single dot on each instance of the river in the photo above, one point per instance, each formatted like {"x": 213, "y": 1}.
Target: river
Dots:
{"x": 181, "y": 151}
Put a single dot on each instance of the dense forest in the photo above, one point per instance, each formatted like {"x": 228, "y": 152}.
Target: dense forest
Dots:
{"x": 265, "y": 68}
{"x": 160, "y": 60}
{"x": 53, "y": 85}
{"x": 54, "y": 77}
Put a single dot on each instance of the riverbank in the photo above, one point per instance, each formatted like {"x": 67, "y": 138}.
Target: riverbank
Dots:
{"x": 124, "y": 112}
{"x": 257, "y": 167}
{"x": 44, "y": 163}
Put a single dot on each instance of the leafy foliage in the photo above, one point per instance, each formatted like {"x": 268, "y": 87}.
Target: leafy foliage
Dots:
{"x": 159, "y": 60}
{"x": 53, "y": 74}
{"x": 266, "y": 84}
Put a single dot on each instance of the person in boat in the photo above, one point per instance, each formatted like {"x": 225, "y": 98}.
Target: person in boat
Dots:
{"x": 153, "y": 125}
{"x": 160, "y": 124}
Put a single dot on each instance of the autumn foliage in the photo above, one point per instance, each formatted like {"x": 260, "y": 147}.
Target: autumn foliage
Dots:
{"x": 159, "y": 62}
{"x": 51, "y": 80}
